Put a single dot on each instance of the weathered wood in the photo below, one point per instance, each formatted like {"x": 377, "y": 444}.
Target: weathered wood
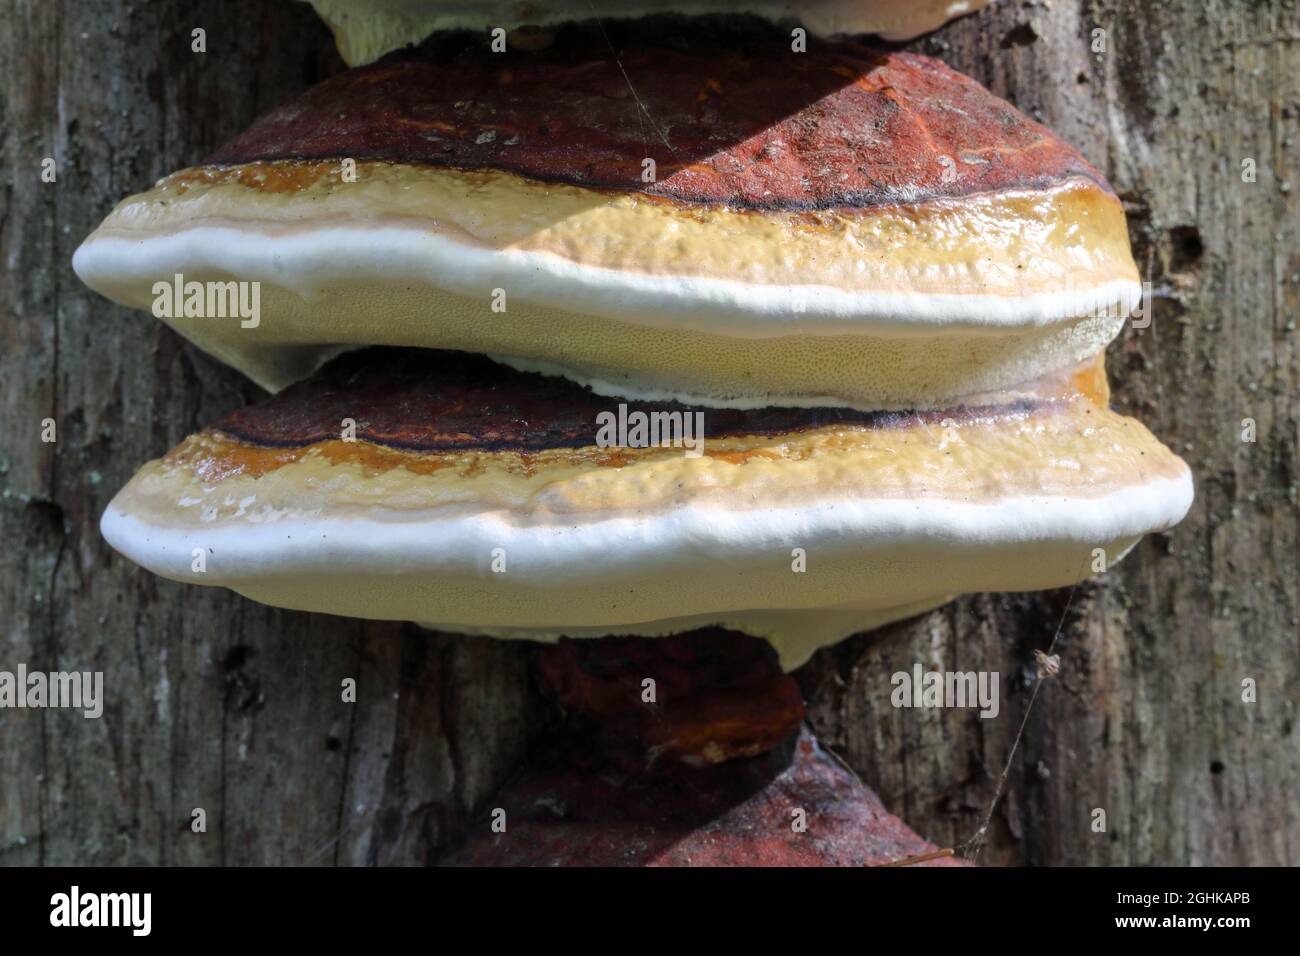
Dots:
{"x": 219, "y": 703}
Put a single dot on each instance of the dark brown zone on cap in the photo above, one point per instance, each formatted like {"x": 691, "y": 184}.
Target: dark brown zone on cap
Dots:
{"x": 436, "y": 400}
{"x": 727, "y": 111}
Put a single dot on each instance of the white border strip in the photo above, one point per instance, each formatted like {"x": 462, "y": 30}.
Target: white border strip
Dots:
{"x": 307, "y": 262}
{"x": 566, "y": 555}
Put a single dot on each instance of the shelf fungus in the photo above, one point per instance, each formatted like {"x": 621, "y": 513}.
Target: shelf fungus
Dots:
{"x": 674, "y": 337}
{"x": 448, "y": 489}
{"x": 366, "y": 30}
{"x": 706, "y": 218}
{"x": 721, "y": 771}
{"x": 866, "y": 300}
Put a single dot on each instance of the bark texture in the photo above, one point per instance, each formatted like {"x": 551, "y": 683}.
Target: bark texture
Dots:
{"x": 217, "y": 703}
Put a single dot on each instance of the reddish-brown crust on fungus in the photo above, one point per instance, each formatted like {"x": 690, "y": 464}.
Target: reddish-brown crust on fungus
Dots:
{"x": 729, "y": 116}
{"x": 798, "y": 806}
{"x": 682, "y": 780}
{"x": 435, "y": 400}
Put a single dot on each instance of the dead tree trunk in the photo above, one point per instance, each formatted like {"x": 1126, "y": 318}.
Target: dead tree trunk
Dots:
{"x": 219, "y": 703}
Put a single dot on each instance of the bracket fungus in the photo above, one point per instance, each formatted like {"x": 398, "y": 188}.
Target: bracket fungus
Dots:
{"x": 882, "y": 292}
{"x": 475, "y": 499}
{"x": 933, "y": 421}
{"x": 719, "y": 771}
{"x": 743, "y": 227}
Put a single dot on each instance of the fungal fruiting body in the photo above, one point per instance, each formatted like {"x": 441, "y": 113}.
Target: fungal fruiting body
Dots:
{"x": 842, "y": 227}
{"x": 367, "y": 29}
{"x": 882, "y": 293}
{"x": 474, "y": 498}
